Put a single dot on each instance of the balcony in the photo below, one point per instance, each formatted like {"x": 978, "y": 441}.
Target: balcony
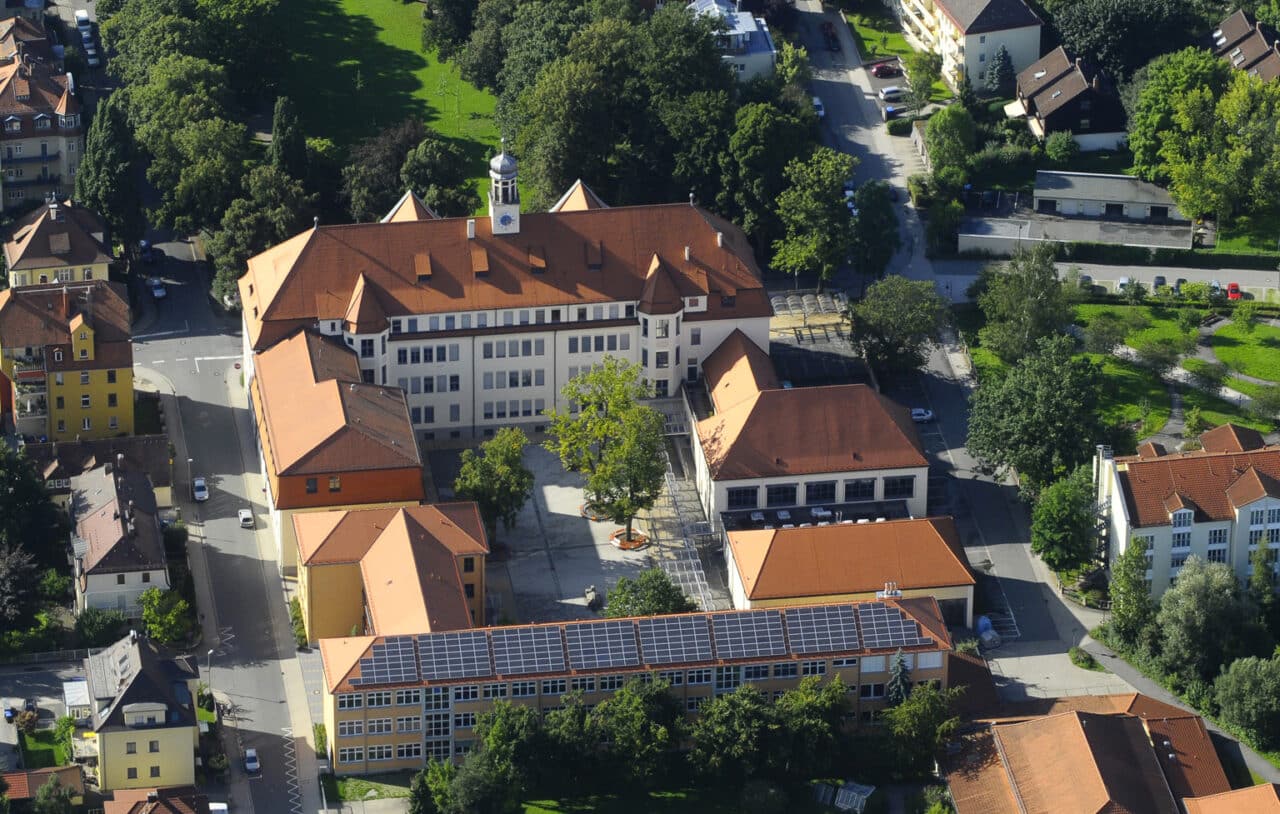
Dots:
{"x": 31, "y": 159}
{"x": 35, "y": 181}
{"x": 30, "y": 388}
{"x": 32, "y": 407}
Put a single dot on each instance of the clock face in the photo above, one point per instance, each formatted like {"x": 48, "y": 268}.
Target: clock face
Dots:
{"x": 506, "y": 220}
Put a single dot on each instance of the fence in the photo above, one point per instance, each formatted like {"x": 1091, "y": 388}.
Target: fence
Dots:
{"x": 50, "y": 656}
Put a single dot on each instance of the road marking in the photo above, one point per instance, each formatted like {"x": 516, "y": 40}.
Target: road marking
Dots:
{"x": 291, "y": 771}
{"x": 186, "y": 328}
{"x": 200, "y": 359}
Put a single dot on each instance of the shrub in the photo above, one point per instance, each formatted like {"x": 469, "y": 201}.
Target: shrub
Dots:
{"x": 219, "y": 763}
{"x": 55, "y": 586}
{"x": 1060, "y": 147}
{"x": 99, "y": 628}
{"x": 763, "y": 797}
{"x": 1083, "y": 659}
{"x": 321, "y": 736}
{"x": 26, "y": 721}
{"x": 969, "y": 647}
{"x": 1001, "y": 160}
{"x": 299, "y": 624}
{"x": 900, "y": 127}
{"x": 920, "y": 187}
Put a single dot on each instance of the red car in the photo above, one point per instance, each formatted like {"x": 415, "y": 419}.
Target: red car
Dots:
{"x": 885, "y": 70}
{"x": 1233, "y": 291}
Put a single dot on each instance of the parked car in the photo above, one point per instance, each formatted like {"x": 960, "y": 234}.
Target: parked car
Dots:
{"x": 251, "y": 764}
{"x": 156, "y": 285}
{"x": 246, "y": 518}
{"x": 199, "y": 490}
{"x": 885, "y": 70}
{"x": 829, "y": 34}
{"x": 921, "y": 415}
{"x": 1122, "y": 284}
{"x": 86, "y": 36}
{"x": 9, "y": 713}
{"x": 1159, "y": 281}
{"x": 82, "y": 20}
{"x": 892, "y": 93}
{"x": 818, "y": 108}
{"x": 1233, "y": 291}
{"x": 1086, "y": 282}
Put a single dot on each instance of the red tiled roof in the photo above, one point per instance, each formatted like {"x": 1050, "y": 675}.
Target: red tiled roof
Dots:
{"x": 1213, "y": 484}
{"x": 1186, "y": 755}
{"x": 1231, "y": 438}
{"x": 1260, "y": 799}
{"x": 738, "y": 369}
{"x": 23, "y": 785}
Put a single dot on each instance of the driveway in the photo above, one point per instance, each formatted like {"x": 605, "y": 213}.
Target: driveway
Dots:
{"x": 44, "y": 684}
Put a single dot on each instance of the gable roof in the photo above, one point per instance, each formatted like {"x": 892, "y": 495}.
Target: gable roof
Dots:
{"x": 321, "y": 418}
{"x": 738, "y": 369}
{"x": 41, "y": 315}
{"x": 839, "y": 428}
{"x": 1231, "y": 438}
{"x": 345, "y": 536}
{"x": 1214, "y": 485}
{"x": 20, "y": 35}
{"x": 57, "y": 235}
{"x": 426, "y": 267}
{"x": 179, "y": 800}
{"x": 412, "y": 582}
{"x": 23, "y": 785}
{"x": 118, "y": 521}
{"x": 409, "y": 208}
{"x": 852, "y": 558}
{"x": 136, "y": 670}
{"x": 30, "y": 87}
{"x": 1260, "y": 799}
{"x": 67, "y": 459}
{"x": 1056, "y": 80}
{"x": 980, "y": 16}
{"x": 1186, "y": 755}
{"x": 660, "y": 294}
{"x": 578, "y": 198}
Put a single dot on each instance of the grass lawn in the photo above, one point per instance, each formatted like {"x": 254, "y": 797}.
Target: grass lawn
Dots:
{"x": 1219, "y": 411}
{"x": 1254, "y": 354}
{"x": 1157, "y": 323}
{"x": 1126, "y": 388}
{"x": 357, "y": 66}
{"x": 209, "y": 717}
{"x": 1117, "y": 162}
{"x": 41, "y": 750}
{"x": 381, "y": 787}
{"x": 878, "y": 36}
{"x": 1251, "y": 235}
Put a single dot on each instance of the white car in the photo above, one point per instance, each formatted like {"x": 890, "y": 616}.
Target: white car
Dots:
{"x": 199, "y": 490}
{"x": 818, "y": 108}
{"x": 251, "y": 764}
{"x": 157, "y": 288}
{"x": 246, "y": 518}
{"x": 82, "y": 20}
{"x": 921, "y": 415}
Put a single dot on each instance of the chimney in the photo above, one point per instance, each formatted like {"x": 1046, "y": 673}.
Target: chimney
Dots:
{"x": 315, "y": 222}
{"x": 66, "y": 302}
{"x": 120, "y": 461}
{"x": 153, "y": 797}
{"x": 688, "y": 253}
{"x": 471, "y": 228}
{"x": 719, "y": 240}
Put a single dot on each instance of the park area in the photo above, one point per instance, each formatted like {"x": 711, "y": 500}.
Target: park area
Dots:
{"x": 357, "y": 67}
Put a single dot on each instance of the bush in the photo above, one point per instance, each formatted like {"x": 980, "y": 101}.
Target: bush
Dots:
{"x": 969, "y": 647}
{"x": 763, "y": 797}
{"x": 1083, "y": 659}
{"x": 321, "y": 736}
{"x": 920, "y": 187}
{"x": 99, "y": 628}
{"x": 1060, "y": 147}
{"x": 219, "y": 763}
{"x": 299, "y": 624}
{"x": 1001, "y": 160}
{"x": 55, "y": 586}
{"x": 900, "y": 127}
{"x": 26, "y": 721}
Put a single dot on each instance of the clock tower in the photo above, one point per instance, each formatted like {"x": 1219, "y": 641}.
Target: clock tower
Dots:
{"x": 504, "y": 194}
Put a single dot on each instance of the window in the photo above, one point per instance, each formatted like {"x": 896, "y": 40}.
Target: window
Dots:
{"x": 146, "y": 576}
{"x": 573, "y": 344}
{"x": 662, "y": 328}
{"x": 455, "y": 412}
{"x": 86, "y": 424}
{"x": 1273, "y": 516}
{"x": 873, "y": 664}
{"x": 84, "y": 377}
{"x": 524, "y": 689}
{"x": 694, "y": 704}
{"x": 407, "y": 751}
{"x": 782, "y": 494}
{"x": 870, "y": 691}
{"x": 744, "y": 497}
{"x": 1182, "y": 539}
{"x": 131, "y": 748}
{"x": 785, "y": 669}
{"x": 437, "y": 698}
{"x": 119, "y": 579}
{"x": 579, "y": 684}
{"x": 335, "y": 483}
{"x": 366, "y": 348}
{"x": 312, "y": 486}
{"x": 350, "y": 701}
{"x": 381, "y": 698}
{"x": 699, "y": 676}
{"x": 111, "y": 377}
{"x": 350, "y": 754}
{"x": 438, "y": 725}
{"x": 409, "y": 724}
{"x": 1177, "y": 561}
{"x": 382, "y": 752}
{"x": 112, "y": 400}
{"x": 860, "y": 489}
{"x": 755, "y": 672}
{"x": 845, "y": 662}
{"x": 727, "y": 678}
{"x": 1217, "y": 555}
{"x": 1217, "y": 537}
{"x": 899, "y": 487}
{"x": 84, "y": 401}
{"x": 464, "y": 720}
{"x": 662, "y": 359}
{"x": 468, "y": 692}
{"x": 813, "y": 668}
{"x": 820, "y": 492}
{"x": 468, "y": 565}
{"x": 350, "y": 729}
{"x": 929, "y": 661}
{"x": 673, "y": 677}
{"x": 554, "y": 686}
{"x": 611, "y": 683}
{"x": 1257, "y": 517}
{"x": 438, "y": 750}
{"x": 495, "y": 691}
{"x": 624, "y": 342}
{"x": 379, "y": 726}
{"x": 1182, "y": 519}
{"x": 132, "y": 773}
{"x": 1255, "y": 537}
{"x": 695, "y": 336}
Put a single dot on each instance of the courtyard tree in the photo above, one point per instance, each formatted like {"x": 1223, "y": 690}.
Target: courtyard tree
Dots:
{"x": 98, "y": 628}
{"x": 942, "y": 228}
{"x": 734, "y": 737}
{"x": 497, "y": 479}
{"x": 1104, "y": 333}
{"x": 894, "y": 324}
{"x": 924, "y": 69}
{"x": 436, "y": 169}
{"x": 817, "y": 229}
{"x": 53, "y": 798}
{"x": 1064, "y": 521}
{"x": 1132, "y": 611}
{"x": 1266, "y": 403}
{"x": 371, "y": 178}
{"x": 604, "y": 396}
{"x": 1023, "y": 302}
{"x": 638, "y": 726}
{"x": 1204, "y": 621}
{"x": 1246, "y": 314}
{"x": 651, "y": 593}
{"x": 920, "y": 724}
{"x": 810, "y": 718}
{"x": 166, "y": 615}
{"x": 764, "y": 141}
{"x": 28, "y": 518}
{"x": 1042, "y": 418}
{"x": 999, "y": 76}
{"x": 1061, "y": 147}
{"x": 950, "y": 136}
{"x": 1123, "y": 36}
{"x": 875, "y": 230}
{"x": 1160, "y": 355}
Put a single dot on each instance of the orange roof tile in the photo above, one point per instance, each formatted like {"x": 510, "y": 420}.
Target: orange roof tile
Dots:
{"x": 57, "y": 235}
{"x": 972, "y": 673}
{"x": 1214, "y": 484}
{"x": 365, "y": 314}
{"x": 1231, "y": 438}
{"x": 344, "y": 536}
{"x": 976, "y": 777}
{"x": 1260, "y": 799}
{"x": 738, "y": 369}
{"x": 578, "y": 198}
{"x": 23, "y": 785}
{"x": 409, "y": 208}
{"x": 1186, "y": 755}
{"x": 311, "y": 276}
{"x": 849, "y": 558}
{"x": 339, "y": 657}
{"x": 660, "y": 294}
{"x": 840, "y": 428}
{"x": 41, "y": 315}
{"x": 180, "y": 800}
{"x": 412, "y": 583}
{"x": 320, "y": 418}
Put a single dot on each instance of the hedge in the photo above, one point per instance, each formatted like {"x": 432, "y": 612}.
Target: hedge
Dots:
{"x": 1142, "y": 256}
{"x": 899, "y": 127}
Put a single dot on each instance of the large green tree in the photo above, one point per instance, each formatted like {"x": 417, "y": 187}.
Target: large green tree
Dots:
{"x": 894, "y": 324}
{"x": 811, "y": 719}
{"x": 1132, "y": 611}
{"x": 288, "y": 149}
{"x": 630, "y": 474}
{"x": 999, "y": 77}
{"x": 924, "y": 68}
{"x": 53, "y": 798}
{"x": 1248, "y": 695}
{"x": 875, "y": 230}
{"x": 765, "y": 140}
{"x": 604, "y": 397}
{"x": 166, "y": 615}
{"x": 652, "y": 592}
{"x": 1024, "y": 302}
{"x": 638, "y": 726}
{"x": 1123, "y": 35}
{"x": 139, "y": 39}
{"x": 950, "y": 136}
{"x": 371, "y": 178}
{"x": 818, "y": 232}
{"x": 446, "y": 25}
{"x": 920, "y": 724}
{"x": 18, "y": 598}
{"x": 28, "y": 518}
{"x": 735, "y": 736}
{"x": 496, "y": 478}
{"x": 107, "y": 178}
{"x": 1163, "y": 82}
{"x": 480, "y": 58}
{"x": 436, "y": 170}
{"x": 1205, "y": 621}
{"x": 898, "y": 687}
{"x": 1042, "y": 418}
{"x": 1064, "y": 521}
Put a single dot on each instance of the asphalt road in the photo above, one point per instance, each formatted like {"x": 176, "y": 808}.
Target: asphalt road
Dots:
{"x": 194, "y": 352}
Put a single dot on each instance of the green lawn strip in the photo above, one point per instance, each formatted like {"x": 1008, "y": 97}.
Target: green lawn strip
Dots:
{"x": 1124, "y": 389}
{"x": 1085, "y": 660}
{"x": 41, "y": 750}
{"x": 1256, "y": 234}
{"x": 1162, "y": 323}
{"x": 357, "y": 66}
{"x": 381, "y": 787}
{"x": 1218, "y": 411}
{"x": 1114, "y": 162}
{"x": 208, "y": 716}
{"x": 1255, "y": 353}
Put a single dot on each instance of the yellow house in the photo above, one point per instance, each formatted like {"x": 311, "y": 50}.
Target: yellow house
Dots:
{"x": 144, "y": 715}
{"x": 391, "y": 570}
{"x": 57, "y": 243}
{"x": 67, "y": 358}
{"x": 851, "y": 561}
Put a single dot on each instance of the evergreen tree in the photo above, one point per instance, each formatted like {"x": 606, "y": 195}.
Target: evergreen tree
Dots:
{"x": 1132, "y": 610}
{"x": 899, "y": 686}
{"x": 107, "y": 178}
{"x": 288, "y": 150}
{"x": 1000, "y": 75}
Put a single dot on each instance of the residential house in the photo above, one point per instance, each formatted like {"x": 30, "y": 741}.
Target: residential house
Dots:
{"x": 144, "y": 718}
{"x": 1218, "y": 503}
{"x": 1060, "y": 94}
{"x": 58, "y": 463}
{"x": 43, "y": 136}
{"x": 772, "y": 455}
{"x": 1260, "y": 799}
{"x": 376, "y": 688}
{"x": 1109, "y": 753}
{"x": 57, "y": 243}
{"x": 1248, "y": 45}
{"x": 849, "y": 561}
{"x": 327, "y": 439}
{"x": 1098, "y": 195}
{"x": 182, "y": 800}
{"x": 22, "y": 786}
{"x": 67, "y": 360}
{"x": 968, "y": 33}
{"x": 391, "y": 570}
{"x": 482, "y": 321}
{"x": 743, "y": 38}
{"x": 117, "y": 541}
{"x": 21, "y": 36}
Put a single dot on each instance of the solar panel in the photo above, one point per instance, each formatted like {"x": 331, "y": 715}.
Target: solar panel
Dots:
{"x": 884, "y": 626}
{"x": 518, "y": 650}
{"x": 598, "y": 645}
{"x": 463, "y": 654}
{"x": 675, "y": 639}
{"x": 827, "y": 629}
{"x": 748, "y": 635}
{"x": 391, "y": 661}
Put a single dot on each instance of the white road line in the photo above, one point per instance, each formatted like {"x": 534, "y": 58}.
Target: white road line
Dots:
{"x": 186, "y": 328}
{"x": 200, "y": 359}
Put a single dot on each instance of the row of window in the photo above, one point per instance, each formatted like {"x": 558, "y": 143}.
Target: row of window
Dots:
{"x": 430, "y": 384}
{"x": 522, "y": 316}
{"x": 131, "y": 747}
{"x": 86, "y": 401}
{"x": 819, "y": 492}
{"x": 113, "y": 423}
{"x": 1271, "y": 516}
{"x": 426, "y": 353}
{"x": 525, "y": 408}
{"x": 85, "y": 375}
{"x": 401, "y": 751}
{"x": 599, "y": 344}
{"x": 504, "y": 379}
{"x": 514, "y": 348}
{"x": 69, "y": 275}
{"x": 43, "y": 121}
{"x": 427, "y": 414}
{"x": 132, "y": 772}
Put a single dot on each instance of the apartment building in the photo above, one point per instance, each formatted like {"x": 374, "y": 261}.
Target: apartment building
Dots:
{"x": 326, "y": 439}
{"x": 67, "y": 360}
{"x": 968, "y": 33}
{"x": 57, "y": 243}
{"x": 743, "y": 38}
{"x": 1218, "y": 503}
{"x": 43, "y": 136}
{"x": 393, "y": 570}
{"x": 59, "y": 464}
{"x": 481, "y": 321}
{"x": 1248, "y": 45}
{"x": 144, "y": 718}
{"x": 393, "y": 702}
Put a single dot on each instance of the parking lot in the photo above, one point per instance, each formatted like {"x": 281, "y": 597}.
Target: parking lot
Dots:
{"x": 43, "y": 684}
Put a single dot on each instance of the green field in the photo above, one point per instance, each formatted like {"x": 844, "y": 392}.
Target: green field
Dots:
{"x": 357, "y": 66}
{"x": 1254, "y": 354}
{"x": 1126, "y": 389}
{"x": 41, "y": 750}
{"x": 381, "y": 787}
{"x": 1259, "y": 234}
{"x": 1157, "y": 324}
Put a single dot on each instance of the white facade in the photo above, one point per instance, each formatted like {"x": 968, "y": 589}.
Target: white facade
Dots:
{"x": 928, "y": 27}
{"x": 1168, "y": 546}
{"x": 118, "y": 591}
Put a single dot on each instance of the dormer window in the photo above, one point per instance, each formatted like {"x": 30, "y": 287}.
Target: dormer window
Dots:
{"x": 57, "y": 356}
{"x": 69, "y": 121}
{"x": 1182, "y": 519}
{"x": 13, "y": 124}
{"x": 43, "y": 122}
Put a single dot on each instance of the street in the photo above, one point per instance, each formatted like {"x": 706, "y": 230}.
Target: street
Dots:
{"x": 184, "y": 348}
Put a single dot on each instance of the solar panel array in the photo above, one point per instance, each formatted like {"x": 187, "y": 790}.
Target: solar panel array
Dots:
{"x": 391, "y": 661}
{"x": 885, "y": 626}
{"x": 675, "y": 639}
{"x": 464, "y": 654}
{"x": 748, "y": 635}
{"x": 826, "y": 629}
{"x": 600, "y": 645}
{"x": 521, "y": 650}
